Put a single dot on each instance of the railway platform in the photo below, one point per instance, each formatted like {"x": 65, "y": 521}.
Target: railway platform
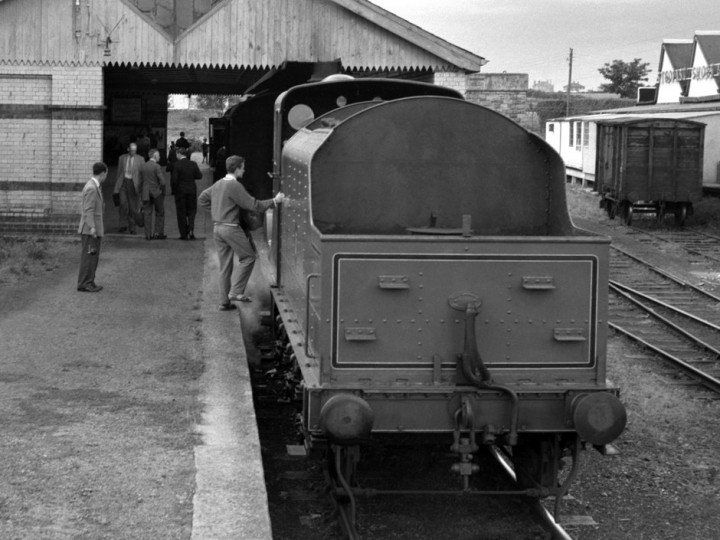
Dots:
{"x": 230, "y": 499}
{"x": 128, "y": 413}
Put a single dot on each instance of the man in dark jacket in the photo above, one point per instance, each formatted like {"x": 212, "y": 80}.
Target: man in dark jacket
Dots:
{"x": 152, "y": 190}
{"x": 171, "y": 157}
{"x": 183, "y": 143}
{"x": 184, "y": 174}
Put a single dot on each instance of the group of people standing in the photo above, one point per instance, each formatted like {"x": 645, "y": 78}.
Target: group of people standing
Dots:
{"x": 227, "y": 200}
{"x": 140, "y": 189}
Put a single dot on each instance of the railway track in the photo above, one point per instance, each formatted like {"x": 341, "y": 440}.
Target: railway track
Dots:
{"x": 672, "y": 318}
{"x": 700, "y": 246}
{"x": 392, "y": 497}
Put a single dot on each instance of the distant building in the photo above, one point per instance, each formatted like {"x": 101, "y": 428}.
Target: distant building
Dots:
{"x": 689, "y": 70}
{"x": 179, "y": 101}
{"x": 675, "y": 57}
{"x": 543, "y": 86}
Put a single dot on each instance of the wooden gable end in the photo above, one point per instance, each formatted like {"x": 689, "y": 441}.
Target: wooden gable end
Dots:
{"x": 228, "y": 33}
{"x": 95, "y": 32}
{"x": 253, "y": 33}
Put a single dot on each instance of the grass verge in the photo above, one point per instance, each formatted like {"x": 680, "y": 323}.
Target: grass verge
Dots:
{"x": 23, "y": 257}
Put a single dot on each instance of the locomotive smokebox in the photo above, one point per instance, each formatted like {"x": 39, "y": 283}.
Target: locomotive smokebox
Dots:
{"x": 346, "y": 419}
{"x": 599, "y": 417}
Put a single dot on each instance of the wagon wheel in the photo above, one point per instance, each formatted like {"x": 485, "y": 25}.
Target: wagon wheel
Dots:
{"x": 659, "y": 213}
{"x": 681, "y": 213}
{"x": 626, "y": 211}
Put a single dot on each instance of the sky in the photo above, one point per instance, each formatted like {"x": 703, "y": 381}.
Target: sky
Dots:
{"x": 535, "y": 36}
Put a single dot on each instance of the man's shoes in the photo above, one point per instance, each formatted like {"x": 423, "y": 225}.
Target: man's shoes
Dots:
{"x": 160, "y": 236}
{"x": 122, "y": 229}
{"x": 90, "y": 288}
{"x": 132, "y": 232}
{"x": 148, "y": 238}
{"x": 241, "y": 298}
{"x": 191, "y": 236}
{"x": 183, "y": 238}
{"x": 227, "y": 307}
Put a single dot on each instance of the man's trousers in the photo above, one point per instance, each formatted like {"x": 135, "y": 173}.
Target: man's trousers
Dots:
{"x": 88, "y": 261}
{"x": 186, "y": 208}
{"x": 156, "y": 204}
{"x": 129, "y": 204}
{"x": 233, "y": 241}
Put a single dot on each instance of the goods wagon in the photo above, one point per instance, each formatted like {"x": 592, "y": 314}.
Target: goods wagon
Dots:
{"x": 649, "y": 165}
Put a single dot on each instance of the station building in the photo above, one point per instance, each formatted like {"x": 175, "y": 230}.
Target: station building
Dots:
{"x": 79, "y": 77}
{"x": 687, "y": 88}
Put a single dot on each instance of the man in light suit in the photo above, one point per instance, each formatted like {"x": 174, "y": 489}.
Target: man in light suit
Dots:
{"x": 152, "y": 192}
{"x": 91, "y": 229}
{"x": 127, "y": 186}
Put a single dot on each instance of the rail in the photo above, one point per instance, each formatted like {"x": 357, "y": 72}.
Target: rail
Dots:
{"x": 673, "y": 333}
{"x": 557, "y": 531}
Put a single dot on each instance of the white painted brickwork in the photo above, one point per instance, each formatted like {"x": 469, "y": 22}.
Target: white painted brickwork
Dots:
{"x": 455, "y": 80}
{"x": 28, "y": 141}
{"x": 22, "y": 89}
{"x": 44, "y": 144}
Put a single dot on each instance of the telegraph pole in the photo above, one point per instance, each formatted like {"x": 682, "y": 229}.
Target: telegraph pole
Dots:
{"x": 567, "y": 102}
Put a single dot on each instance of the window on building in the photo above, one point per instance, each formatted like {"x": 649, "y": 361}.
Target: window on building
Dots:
{"x": 571, "y": 138}
{"x": 578, "y": 134}
{"x": 551, "y": 128}
{"x": 586, "y": 134}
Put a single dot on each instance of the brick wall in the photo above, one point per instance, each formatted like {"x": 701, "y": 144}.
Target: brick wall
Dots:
{"x": 505, "y": 93}
{"x": 51, "y": 121}
{"x": 457, "y": 80}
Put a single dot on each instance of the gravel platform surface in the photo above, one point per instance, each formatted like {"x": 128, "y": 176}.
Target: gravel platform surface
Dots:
{"x": 664, "y": 483}
{"x": 99, "y": 396}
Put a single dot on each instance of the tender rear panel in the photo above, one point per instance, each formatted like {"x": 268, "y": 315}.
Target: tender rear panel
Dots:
{"x": 394, "y": 311}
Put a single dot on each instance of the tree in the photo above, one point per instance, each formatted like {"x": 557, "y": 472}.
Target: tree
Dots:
{"x": 207, "y": 101}
{"x": 624, "y": 77}
{"x": 574, "y": 87}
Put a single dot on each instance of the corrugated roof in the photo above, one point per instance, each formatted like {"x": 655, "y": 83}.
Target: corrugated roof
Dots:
{"x": 620, "y": 117}
{"x": 627, "y": 119}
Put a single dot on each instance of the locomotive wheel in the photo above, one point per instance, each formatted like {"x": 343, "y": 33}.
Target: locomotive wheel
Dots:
{"x": 536, "y": 461}
{"x": 681, "y": 213}
{"x": 659, "y": 213}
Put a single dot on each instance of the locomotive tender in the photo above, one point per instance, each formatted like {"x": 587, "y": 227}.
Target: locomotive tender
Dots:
{"x": 430, "y": 283}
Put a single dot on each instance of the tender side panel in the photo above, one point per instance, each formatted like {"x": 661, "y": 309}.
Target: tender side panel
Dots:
{"x": 299, "y": 255}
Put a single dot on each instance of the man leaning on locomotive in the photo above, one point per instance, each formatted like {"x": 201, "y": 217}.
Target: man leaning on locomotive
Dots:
{"x": 228, "y": 202}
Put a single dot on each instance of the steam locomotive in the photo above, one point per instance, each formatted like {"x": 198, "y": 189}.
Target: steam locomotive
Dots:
{"x": 429, "y": 282}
